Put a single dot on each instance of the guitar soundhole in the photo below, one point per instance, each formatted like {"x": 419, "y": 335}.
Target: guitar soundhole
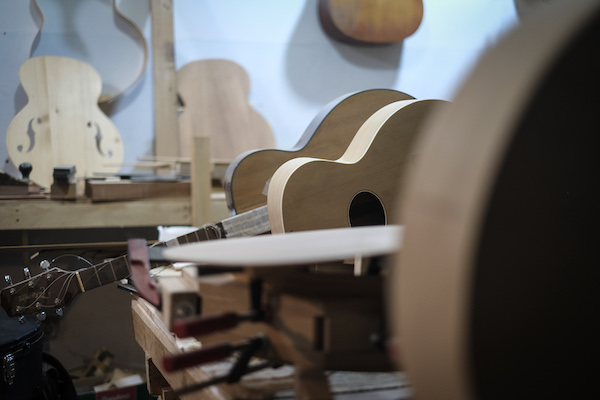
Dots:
{"x": 366, "y": 209}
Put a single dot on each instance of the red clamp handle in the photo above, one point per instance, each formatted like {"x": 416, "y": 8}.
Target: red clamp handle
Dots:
{"x": 198, "y": 326}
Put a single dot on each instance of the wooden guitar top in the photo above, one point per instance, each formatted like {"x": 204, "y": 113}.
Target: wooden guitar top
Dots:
{"x": 294, "y": 249}
{"x": 62, "y": 123}
{"x": 327, "y": 136}
{"x": 361, "y": 186}
{"x": 370, "y": 21}
{"x": 495, "y": 291}
{"x": 215, "y": 96}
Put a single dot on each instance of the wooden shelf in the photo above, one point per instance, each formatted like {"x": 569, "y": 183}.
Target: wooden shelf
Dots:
{"x": 49, "y": 214}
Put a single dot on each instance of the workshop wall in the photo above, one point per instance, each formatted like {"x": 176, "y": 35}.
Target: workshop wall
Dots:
{"x": 294, "y": 67}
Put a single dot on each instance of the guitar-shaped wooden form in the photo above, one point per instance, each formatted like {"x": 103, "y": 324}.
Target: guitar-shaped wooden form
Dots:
{"x": 388, "y": 134}
{"x": 93, "y": 42}
{"x": 62, "y": 123}
{"x": 370, "y": 21}
{"x": 359, "y": 188}
{"x": 215, "y": 96}
{"x": 327, "y": 136}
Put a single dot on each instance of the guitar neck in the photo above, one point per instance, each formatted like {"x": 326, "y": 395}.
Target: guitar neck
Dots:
{"x": 253, "y": 222}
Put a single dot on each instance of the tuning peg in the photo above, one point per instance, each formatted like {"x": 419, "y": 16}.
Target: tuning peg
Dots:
{"x": 59, "y": 311}
{"x": 45, "y": 265}
{"x": 41, "y": 316}
{"x": 9, "y": 281}
{"x": 28, "y": 276}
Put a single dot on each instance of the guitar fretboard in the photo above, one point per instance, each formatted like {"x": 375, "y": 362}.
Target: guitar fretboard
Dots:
{"x": 253, "y": 222}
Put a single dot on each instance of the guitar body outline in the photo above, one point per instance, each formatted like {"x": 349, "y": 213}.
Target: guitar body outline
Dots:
{"x": 360, "y": 188}
{"x": 215, "y": 96}
{"x": 62, "y": 123}
{"x": 327, "y": 136}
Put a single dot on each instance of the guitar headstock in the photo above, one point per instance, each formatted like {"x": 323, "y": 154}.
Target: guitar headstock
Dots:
{"x": 48, "y": 291}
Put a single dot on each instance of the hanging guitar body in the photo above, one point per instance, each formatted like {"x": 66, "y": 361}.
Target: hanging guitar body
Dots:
{"x": 62, "y": 123}
{"x": 20, "y": 357}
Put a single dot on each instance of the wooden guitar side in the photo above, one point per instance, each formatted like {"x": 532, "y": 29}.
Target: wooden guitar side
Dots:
{"x": 370, "y": 21}
{"x": 494, "y": 294}
{"x": 120, "y": 67}
{"x": 327, "y": 136}
{"x": 361, "y": 186}
{"x": 62, "y": 123}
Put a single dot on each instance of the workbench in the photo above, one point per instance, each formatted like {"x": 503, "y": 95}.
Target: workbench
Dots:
{"x": 228, "y": 292}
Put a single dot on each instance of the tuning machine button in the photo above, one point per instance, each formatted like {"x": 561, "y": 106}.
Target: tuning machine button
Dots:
{"x": 27, "y": 274}
{"x": 59, "y": 311}
{"x": 9, "y": 281}
{"x": 45, "y": 265}
{"x": 41, "y": 316}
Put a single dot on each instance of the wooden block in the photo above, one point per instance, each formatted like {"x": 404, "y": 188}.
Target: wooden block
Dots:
{"x": 165, "y": 79}
{"x": 107, "y": 190}
{"x": 155, "y": 381}
{"x": 201, "y": 180}
{"x": 63, "y": 191}
{"x": 179, "y": 299}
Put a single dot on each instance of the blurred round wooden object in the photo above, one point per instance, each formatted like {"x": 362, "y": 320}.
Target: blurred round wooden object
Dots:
{"x": 292, "y": 249}
{"x": 494, "y": 294}
{"x": 370, "y": 21}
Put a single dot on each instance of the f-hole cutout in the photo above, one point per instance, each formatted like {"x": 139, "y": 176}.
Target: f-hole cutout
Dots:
{"x": 366, "y": 209}
{"x": 98, "y": 136}
{"x": 31, "y": 135}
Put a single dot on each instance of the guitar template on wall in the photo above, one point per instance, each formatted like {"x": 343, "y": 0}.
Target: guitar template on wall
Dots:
{"x": 89, "y": 31}
{"x": 62, "y": 123}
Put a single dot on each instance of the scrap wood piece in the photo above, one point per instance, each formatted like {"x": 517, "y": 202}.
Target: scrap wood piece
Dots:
{"x": 125, "y": 189}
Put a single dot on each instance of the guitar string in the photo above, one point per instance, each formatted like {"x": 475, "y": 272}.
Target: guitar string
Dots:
{"x": 70, "y": 275}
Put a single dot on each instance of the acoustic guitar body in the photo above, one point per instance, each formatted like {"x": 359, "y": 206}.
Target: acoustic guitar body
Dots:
{"x": 370, "y": 21}
{"x": 495, "y": 291}
{"x": 62, "y": 123}
{"x": 359, "y": 188}
{"x": 327, "y": 136}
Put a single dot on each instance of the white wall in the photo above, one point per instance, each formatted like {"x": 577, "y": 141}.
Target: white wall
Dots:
{"x": 294, "y": 67}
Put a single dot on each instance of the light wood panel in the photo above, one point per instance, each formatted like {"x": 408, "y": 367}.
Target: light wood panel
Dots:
{"x": 61, "y": 122}
{"x": 215, "y": 97}
{"x": 167, "y": 141}
{"x": 298, "y": 248}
